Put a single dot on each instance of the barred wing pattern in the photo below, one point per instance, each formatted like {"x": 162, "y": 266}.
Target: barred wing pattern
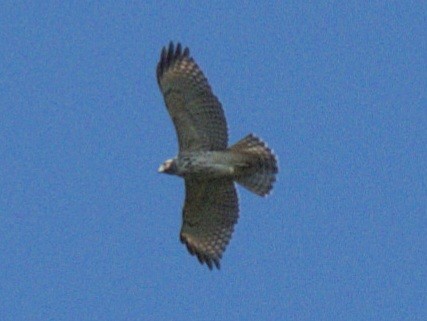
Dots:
{"x": 211, "y": 209}
{"x": 195, "y": 111}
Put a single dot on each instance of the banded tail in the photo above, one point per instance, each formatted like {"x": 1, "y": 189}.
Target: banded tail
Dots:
{"x": 260, "y": 169}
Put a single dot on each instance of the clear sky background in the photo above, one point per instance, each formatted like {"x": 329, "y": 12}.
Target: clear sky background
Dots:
{"x": 89, "y": 229}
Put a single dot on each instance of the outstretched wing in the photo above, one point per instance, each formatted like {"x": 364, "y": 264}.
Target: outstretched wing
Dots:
{"x": 210, "y": 211}
{"x": 195, "y": 111}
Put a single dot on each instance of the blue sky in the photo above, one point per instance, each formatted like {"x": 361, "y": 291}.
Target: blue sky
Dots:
{"x": 89, "y": 229}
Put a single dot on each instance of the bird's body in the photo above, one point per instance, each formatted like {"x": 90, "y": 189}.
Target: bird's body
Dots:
{"x": 208, "y": 166}
{"x": 214, "y": 164}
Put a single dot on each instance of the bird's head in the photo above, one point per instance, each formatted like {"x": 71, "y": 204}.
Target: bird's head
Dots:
{"x": 168, "y": 167}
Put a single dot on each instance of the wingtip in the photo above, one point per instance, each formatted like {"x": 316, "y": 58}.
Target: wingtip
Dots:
{"x": 201, "y": 257}
{"x": 177, "y": 51}
{"x": 186, "y": 52}
{"x": 169, "y": 55}
{"x": 210, "y": 262}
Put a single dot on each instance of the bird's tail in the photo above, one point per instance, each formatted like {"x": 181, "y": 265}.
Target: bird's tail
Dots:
{"x": 260, "y": 169}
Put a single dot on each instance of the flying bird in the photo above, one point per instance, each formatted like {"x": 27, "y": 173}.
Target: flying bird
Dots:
{"x": 208, "y": 166}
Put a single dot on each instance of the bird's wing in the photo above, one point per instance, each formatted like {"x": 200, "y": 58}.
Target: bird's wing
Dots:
{"x": 210, "y": 211}
{"x": 195, "y": 111}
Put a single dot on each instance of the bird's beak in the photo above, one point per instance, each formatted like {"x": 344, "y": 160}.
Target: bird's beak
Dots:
{"x": 161, "y": 169}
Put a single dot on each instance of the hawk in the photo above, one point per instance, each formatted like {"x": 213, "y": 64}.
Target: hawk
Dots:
{"x": 208, "y": 166}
